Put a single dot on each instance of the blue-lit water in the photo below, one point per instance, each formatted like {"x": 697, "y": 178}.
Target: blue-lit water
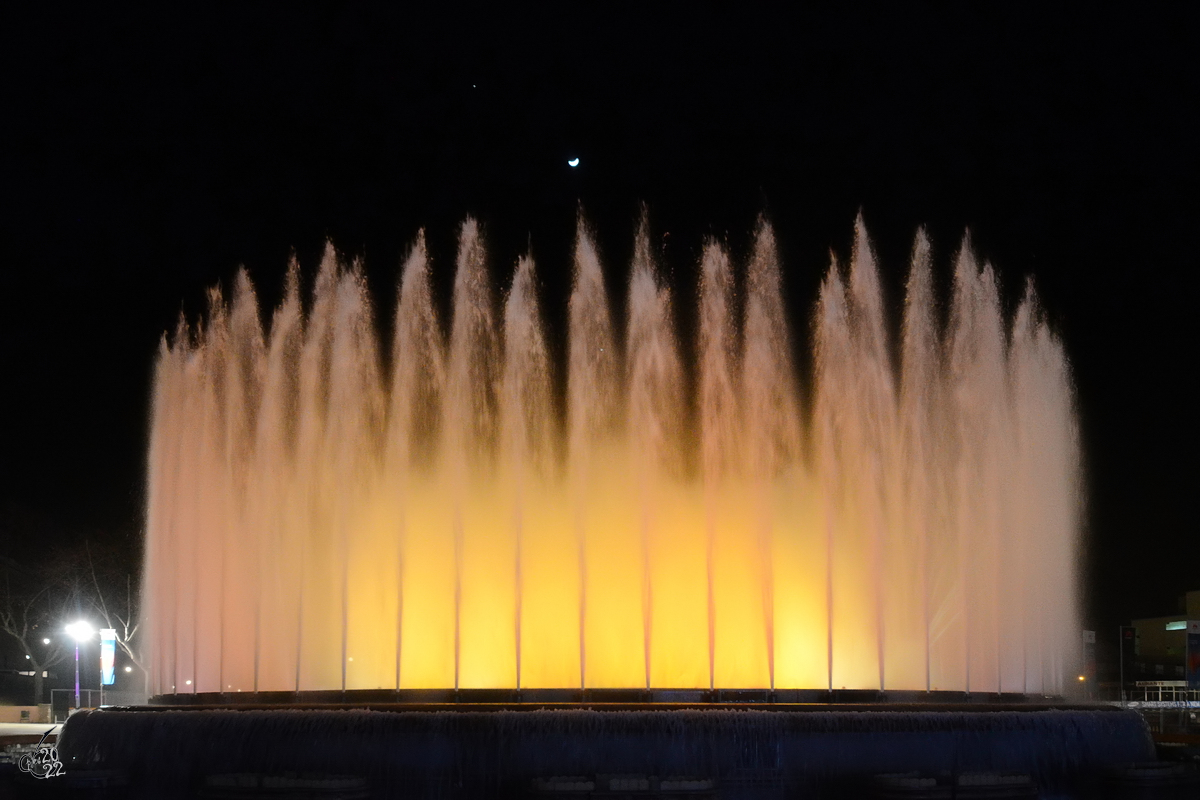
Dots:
{"x": 471, "y": 754}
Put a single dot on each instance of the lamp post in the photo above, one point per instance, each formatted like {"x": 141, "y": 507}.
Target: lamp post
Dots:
{"x": 80, "y": 631}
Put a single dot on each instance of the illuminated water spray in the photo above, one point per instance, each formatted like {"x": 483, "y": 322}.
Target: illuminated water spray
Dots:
{"x": 316, "y": 523}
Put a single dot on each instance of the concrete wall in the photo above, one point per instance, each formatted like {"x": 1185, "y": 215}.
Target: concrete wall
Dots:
{"x": 24, "y": 713}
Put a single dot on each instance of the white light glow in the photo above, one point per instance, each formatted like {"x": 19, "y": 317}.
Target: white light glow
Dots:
{"x": 45, "y": 641}
{"x": 574, "y": 162}
{"x": 129, "y": 669}
{"x": 80, "y": 631}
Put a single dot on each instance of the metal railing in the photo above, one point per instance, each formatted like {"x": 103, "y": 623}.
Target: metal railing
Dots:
{"x": 1162, "y": 692}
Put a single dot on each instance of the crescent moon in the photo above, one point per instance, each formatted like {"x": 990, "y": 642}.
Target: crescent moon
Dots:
{"x": 574, "y": 162}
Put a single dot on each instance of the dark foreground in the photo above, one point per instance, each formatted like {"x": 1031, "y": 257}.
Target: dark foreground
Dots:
{"x": 785, "y": 752}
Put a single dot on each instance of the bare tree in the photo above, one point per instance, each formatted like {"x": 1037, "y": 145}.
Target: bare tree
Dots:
{"x": 114, "y": 599}
{"x": 35, "y": 604}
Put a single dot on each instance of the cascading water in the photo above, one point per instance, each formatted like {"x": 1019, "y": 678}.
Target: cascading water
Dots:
{"x": 316, "y": 524}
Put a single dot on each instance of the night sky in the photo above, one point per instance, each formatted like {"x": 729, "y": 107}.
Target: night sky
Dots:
{"x": 144, "y": 158}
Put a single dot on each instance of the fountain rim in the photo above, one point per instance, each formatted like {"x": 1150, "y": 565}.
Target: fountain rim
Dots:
{"x": 614, "y": 700}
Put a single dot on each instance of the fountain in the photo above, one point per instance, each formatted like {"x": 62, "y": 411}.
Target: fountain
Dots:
{"x": 385, "y": 549}
{"x": 317, "y": 523}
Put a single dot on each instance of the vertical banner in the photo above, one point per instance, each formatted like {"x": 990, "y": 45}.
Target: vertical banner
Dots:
{"x": 108, "y": 656}
{"x": 1192, "y": 654}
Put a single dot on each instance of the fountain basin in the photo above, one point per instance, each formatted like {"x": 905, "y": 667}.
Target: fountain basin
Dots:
{"x": 474, "y": 751}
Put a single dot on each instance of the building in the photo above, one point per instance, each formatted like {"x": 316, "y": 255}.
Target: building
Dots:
{"x": 1160, "y": 643}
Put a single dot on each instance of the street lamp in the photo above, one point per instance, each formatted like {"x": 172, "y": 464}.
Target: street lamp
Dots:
{"x": 80, "y": 631}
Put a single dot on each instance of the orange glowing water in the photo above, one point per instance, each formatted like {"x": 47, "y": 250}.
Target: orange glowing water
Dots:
{"x": 314, "y": 523}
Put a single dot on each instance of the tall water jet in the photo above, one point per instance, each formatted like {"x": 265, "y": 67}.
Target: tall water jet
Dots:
{"x": 771, "y": 435}
{"x": 527, "y": 451}
{"x": 978, "y": 410}
{"x": 316, "y": 522}
{"x": 354, "y": 441}
{"x": 835, "y": 430}
{"x": 592, "y": 400}
{"x": 1046, "y": 522}
{"x": 318, "y": 608}
{"x": 919, "y": 431}
{"x": 653, "y": 424}
{"x": 873, "y": 436}
{"x": 424, "y": 612}
{"x": 272, "y": 501}
{"x": 738, "y": 584}
{"x": 480, "y": 592}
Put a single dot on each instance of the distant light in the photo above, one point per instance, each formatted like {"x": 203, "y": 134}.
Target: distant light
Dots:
{"x": 574, "y": 162}
{"x": 28, "y": 656}
{"x": 129, "y": 669}
{"x": 45, "y": 641}
{"x": 188, "y": 681}
{"x": 351, "y": 658}
{"x": 80, "y": 631}
{"x": 1179, "y": 625}
{"x": 1082, "y": 678}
